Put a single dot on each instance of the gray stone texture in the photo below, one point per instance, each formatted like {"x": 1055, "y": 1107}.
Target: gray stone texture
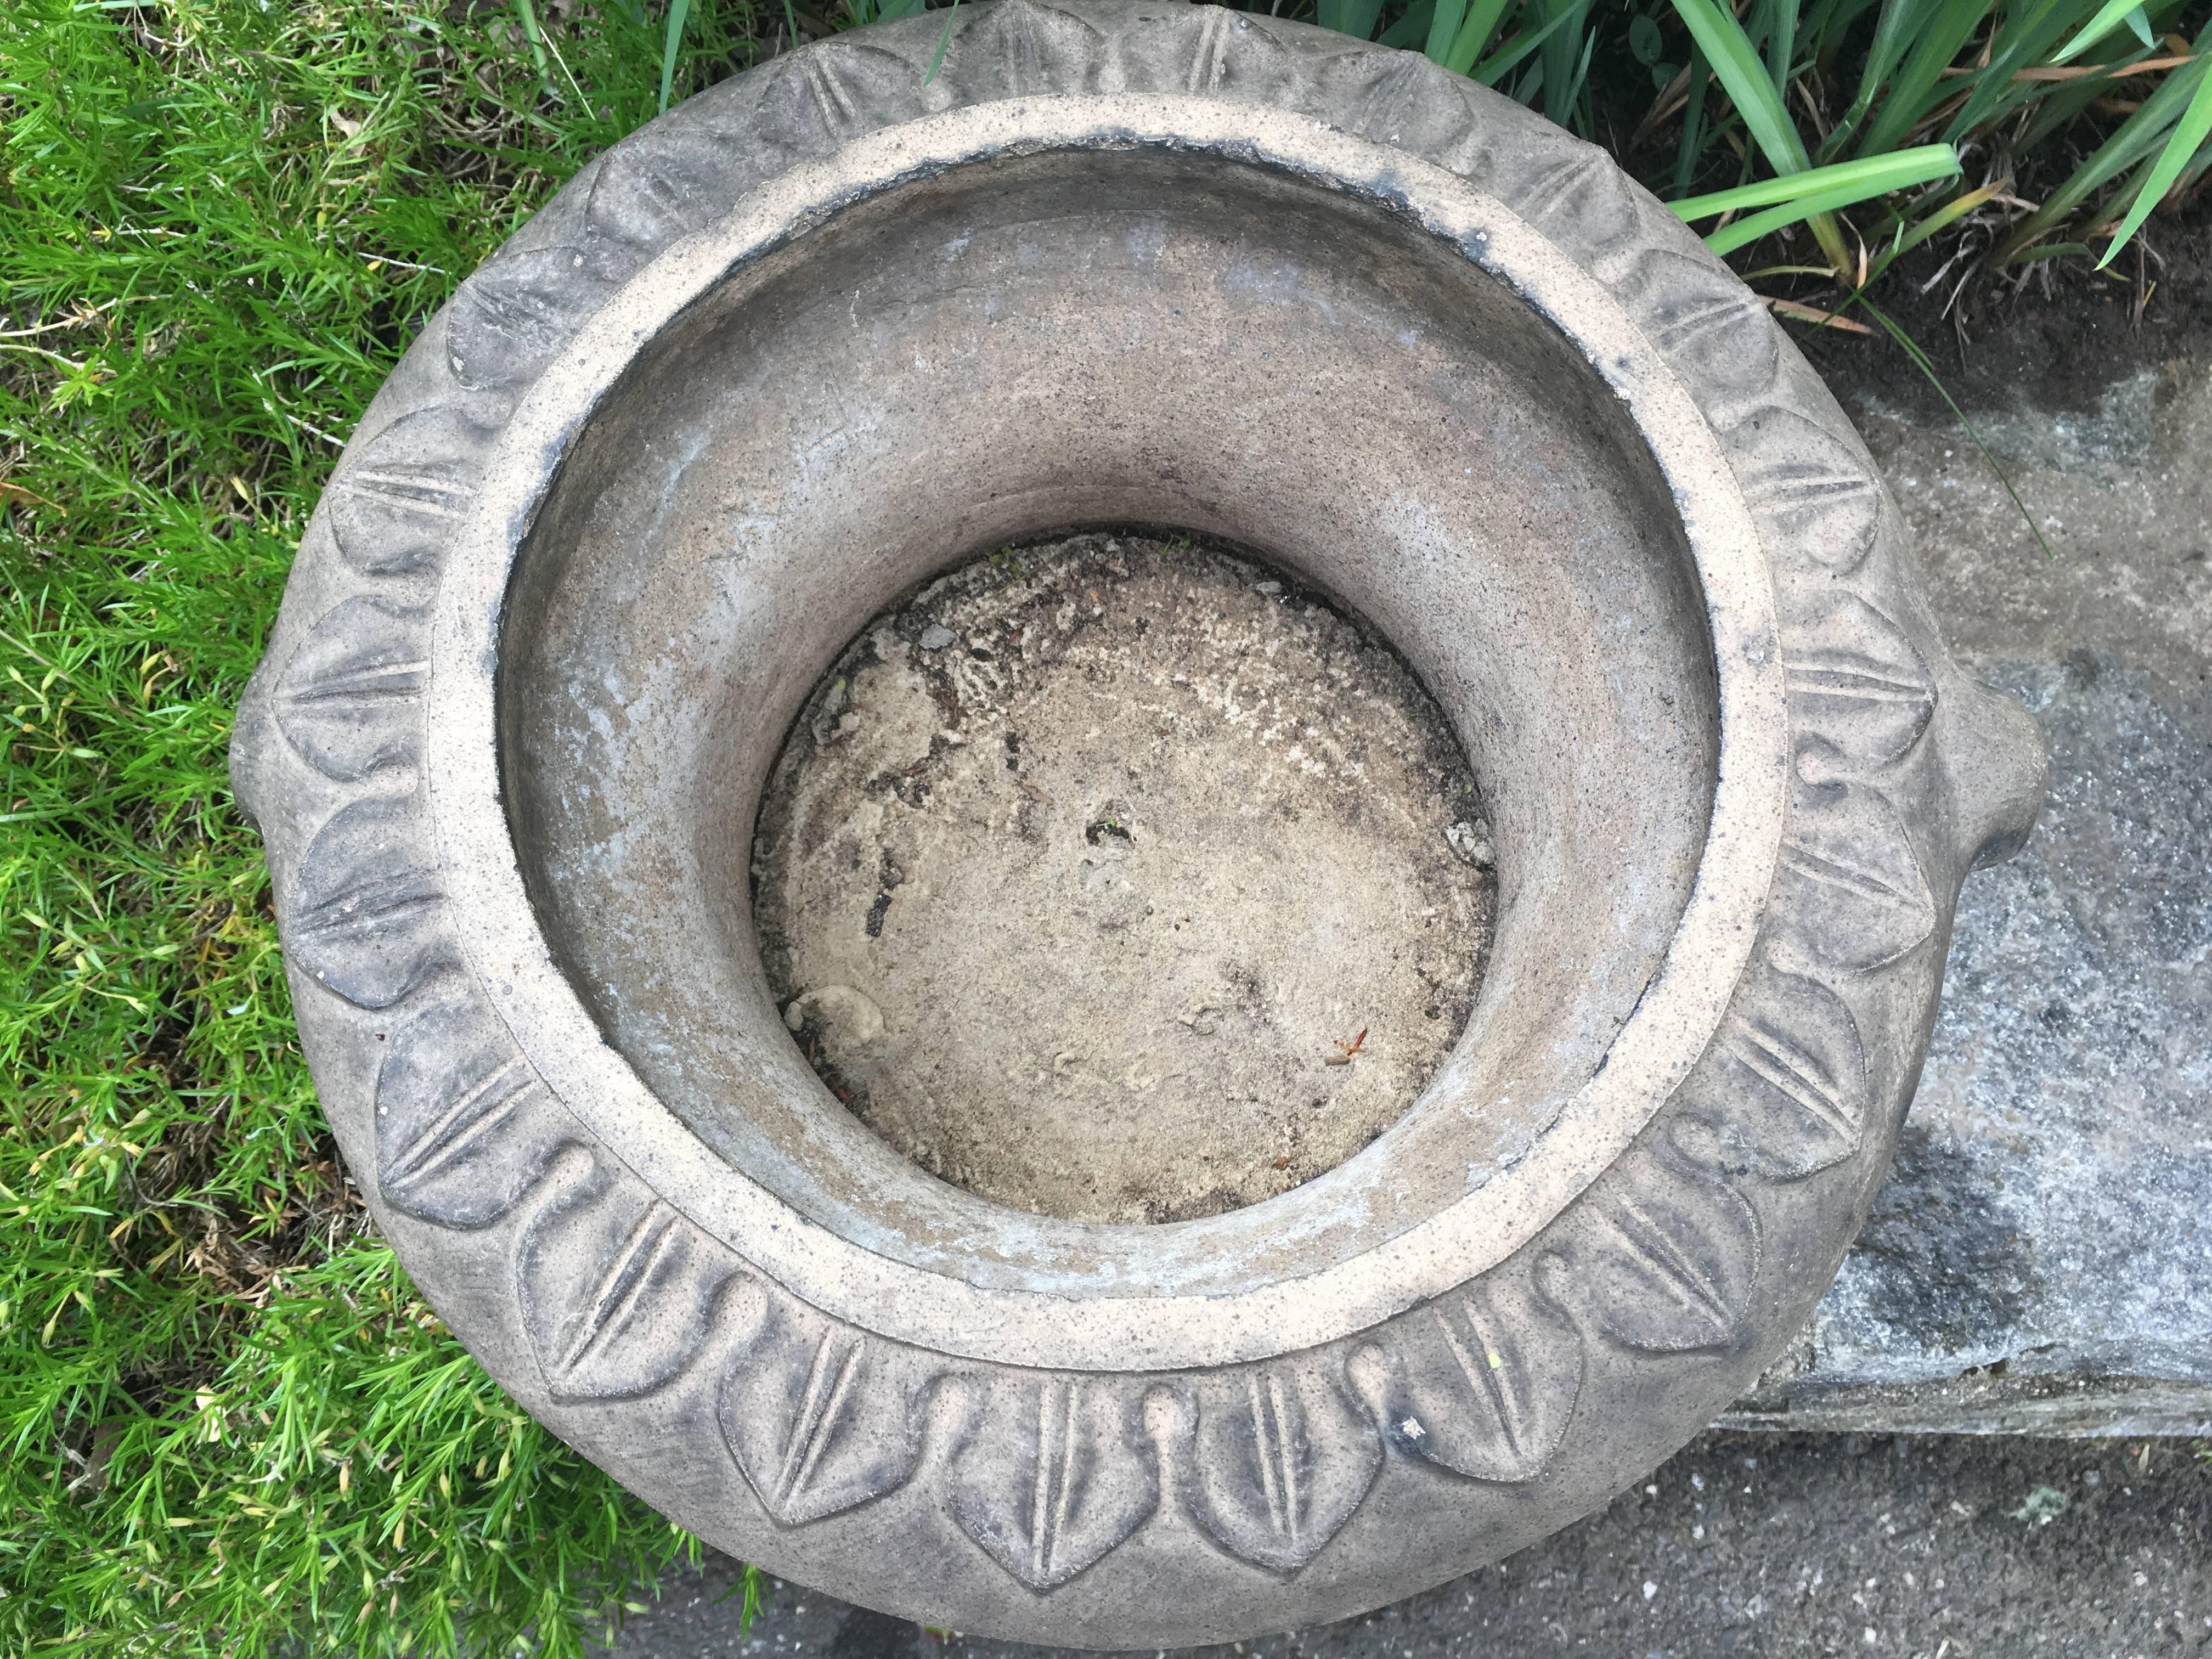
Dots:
{"x": 2040, "y": 1258}
{"x": 607, "y": 524}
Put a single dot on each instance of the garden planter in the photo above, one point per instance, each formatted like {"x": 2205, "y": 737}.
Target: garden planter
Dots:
{"x": 814, "y": 336}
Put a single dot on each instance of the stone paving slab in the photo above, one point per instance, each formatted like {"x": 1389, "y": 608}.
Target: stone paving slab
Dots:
{"x": 2041, "y": 1257}
{"x": 1889, "y": 1547}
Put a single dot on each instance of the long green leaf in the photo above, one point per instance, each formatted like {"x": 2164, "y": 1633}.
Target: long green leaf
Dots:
{"x": 1893, "y": 32}
{"x": 2114, "y": 14}
{"x": 1759, "y": 101}
{"x": 1918, "y": 87}
{"x": 2188, "y": 136}
{"x": 1515, "y": 50}
{"x": 1788, "y": 213}
{"x": 2135, "y": 138}
{"x": 1481, "y": 22}
{"x": 1353, "y": 17}
{"x": 2029, "y": 31}
{"x": 671, "y": 42}
{"x": 1956, "y": 209}
{"x": 1411, "y": 29}
{"x": 1877, "y": 177}
{"x": 1730, "y": 52}
{"x": 1443, "y": 30}
{"x": 944, "y": 41}
{"x": 1782, "y": 45}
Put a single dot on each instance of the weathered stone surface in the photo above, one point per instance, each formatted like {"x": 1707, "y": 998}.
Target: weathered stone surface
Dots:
{"x": 627, "y": 512}
{"x": 2040, "y": 1259}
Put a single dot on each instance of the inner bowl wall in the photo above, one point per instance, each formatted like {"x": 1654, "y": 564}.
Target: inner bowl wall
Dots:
{"x": 1075, "y": 337}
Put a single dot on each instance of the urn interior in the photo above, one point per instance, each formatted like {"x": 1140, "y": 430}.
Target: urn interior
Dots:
{"x": 1001, "y": 348}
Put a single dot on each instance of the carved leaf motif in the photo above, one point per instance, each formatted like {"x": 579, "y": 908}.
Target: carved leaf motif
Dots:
{"x": 463, "y": 1126}
{"x": 1054, "y": 1475}
{"x": 1851, "y": 886}
{"x": 1863, "y": 690}
{"x": 1711, "y": 327}
{"x": 1815, "y": 495}
{"x": 397, "y": 499}
{"x": 1397, "y": 97}
{"x": 1283, "y": 1461}
{"x": 1484, "y": 1381}
{"x": 1207, "y": 50}
{"x": 615, "y": 1288}
{"x": 512, "y": 317}
{"x": 347, "y": 699}
{"x": 820, "y": 1417}
{"x": 1788, "y": 1076}
{"x": 366, "y": 917}
{"x": 1667, "y": 1258}
{"x": 657, "y": 187}
{"x": 1019, "y": 48}
{"x": 825, "y": 95}
{"x": 1581, "y": 201}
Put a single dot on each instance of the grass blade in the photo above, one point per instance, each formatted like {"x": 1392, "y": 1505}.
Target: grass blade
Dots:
{"x": 1918, "y": 87}
{"x": 2188, "y": 136}
{"x": 1481, "y": 22}
{"x": 1952, "y": 210}
{"x": 1353, "y": 17}
{"x": 1782, "y": 45}
{"x": 679, "y": 12}
{"x": 1502, "y": 61}
{"x": 2134, "y": 140}
{"x": 1892, "y": 33}
{"x": 1729, "y": 50}
{"x": 2114, "y": 13}
{"x": 943, "y": 40}
{"x": 1765, "y": 117}
{"x": 1878, "y": 176}
{"x": 1443, "y": 30}
{"x": 1819, "y": 191}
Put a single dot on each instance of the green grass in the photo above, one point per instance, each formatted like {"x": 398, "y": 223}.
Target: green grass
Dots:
{"x": 225, "y": 1416}
{"x": 227, "y": 1424}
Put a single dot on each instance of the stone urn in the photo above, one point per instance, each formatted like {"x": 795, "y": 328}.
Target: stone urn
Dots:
{"x": 831, "y": 327}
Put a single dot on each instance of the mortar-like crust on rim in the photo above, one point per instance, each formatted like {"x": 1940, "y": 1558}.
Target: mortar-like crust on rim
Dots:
{"x": 1108, "y": 1505}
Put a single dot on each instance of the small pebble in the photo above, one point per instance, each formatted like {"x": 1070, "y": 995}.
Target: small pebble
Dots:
{"x": 936, "y": 637}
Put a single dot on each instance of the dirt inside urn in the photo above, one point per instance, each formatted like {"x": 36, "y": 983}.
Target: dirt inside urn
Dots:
{"x": 1084, "y": 872}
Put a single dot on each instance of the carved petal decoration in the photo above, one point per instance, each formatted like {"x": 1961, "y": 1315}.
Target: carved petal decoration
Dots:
{"x": 1863, "y": 690}
{"x": 1665, "y": 1258}
{"x": 1787, "y": 1075}
{"x": 1207, "y": 50}
{"x": 396, "y": 504}
{"x": 660, "y": 186}
{"x": 349, "y": 698}
{"x": 1581, "y": 201}
{"x": 1019, "y": 48}
{"x": 1850, "y": 883}
{"x": 1407, "y": 100}
{"x": 826, "y": 94}
{"x": 1283, "y": 1459}
{"x": 820, "y": 1417}
{"x": 1709, "y": 325}
{"x": 616, "y": 1289}
{"x": 1484, "y": 1381}
{"x": 463, "y": 1126}
{"x": 512, "y": 317}
{"x": 368, "y": 914}
{"x": 1053, "y": 1475}
{"x": 1816, "y": 492}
